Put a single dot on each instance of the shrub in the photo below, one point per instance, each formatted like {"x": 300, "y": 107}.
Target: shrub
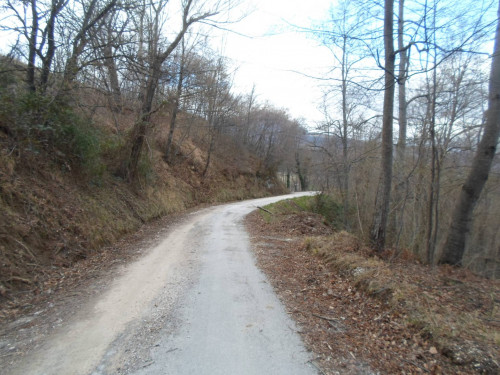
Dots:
{"x": 39, "y": 124}
{"x": 329, "y": 208}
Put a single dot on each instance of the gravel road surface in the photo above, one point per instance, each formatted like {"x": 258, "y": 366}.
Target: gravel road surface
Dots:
{"x": 195, "y": 304}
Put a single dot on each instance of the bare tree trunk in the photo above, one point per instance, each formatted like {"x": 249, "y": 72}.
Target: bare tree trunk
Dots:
{"x": 461, "y": 223}
{"x": 251, "y": 102}
{"x": 209, "y": 154}
{"x": 213, "y": 114}
{"x": 301, "y": 173}
{"x": 158, "y": 59}
{"x": 432, "y": 186}
{"x": 175, "y": 110}
{"x": 403, "y": 67}
{"x": 401, "y": 186}
{"x": 345, "y": 139}
{"x": 90, "y": 19}
{"x": 140, "y": 127}
{"x": 30, "y": 76}
{"x": 112, "y": 73}
{"x": 433, "y": 210}
{"x": 379, "y": 226}
{"x": 47, "y": 37}
{"x": 57, "y": 6}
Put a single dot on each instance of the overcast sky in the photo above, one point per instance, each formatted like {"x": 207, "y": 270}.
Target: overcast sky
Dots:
{"x": 273, "y": 53}
{"x": 265, "y": 50}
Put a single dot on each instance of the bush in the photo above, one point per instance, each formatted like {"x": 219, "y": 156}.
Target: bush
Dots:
{"x": 328, "y": 207}
{"x": 322, "y": 204}
{"x": 39, "y": 124}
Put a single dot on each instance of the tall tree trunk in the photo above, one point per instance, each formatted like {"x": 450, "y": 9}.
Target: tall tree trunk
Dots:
{"x": 175, "y": 110}
{"x": 345, "y": 139}
{"x": 30, "y": 75}
{"x": 402, "y": 77}
{"x": 112, "y": 72}
{"x": 71, "y": 70}
{"x": 210, "y": 150}
{"x": 90, "y": 19}
{"x": 213, "y": 115}
{"x": 430, "y": 243}
{"x": 159, "y": 57}
{"x": 251, "y": 101}
{"x": 141, "y": 126}
{"x": 432, "y": 219}
{"x": 399, "y": 166}
{"x": 379, "y": 226}
{"x": 57, "y": 6}
{"x": 461, "y": 223}
{"x": 301, "y": 173}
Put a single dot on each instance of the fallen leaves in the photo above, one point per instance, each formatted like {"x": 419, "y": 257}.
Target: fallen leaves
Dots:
{"x": 354, "y": 328}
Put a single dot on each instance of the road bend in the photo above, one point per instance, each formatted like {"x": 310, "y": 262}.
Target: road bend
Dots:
{"x": 194, "y": 304}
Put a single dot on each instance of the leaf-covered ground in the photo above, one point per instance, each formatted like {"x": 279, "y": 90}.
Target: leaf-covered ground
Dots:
{"x": 362, "y": 315}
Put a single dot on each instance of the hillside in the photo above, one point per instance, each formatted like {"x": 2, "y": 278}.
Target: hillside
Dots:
{"x": 58, "y": 209}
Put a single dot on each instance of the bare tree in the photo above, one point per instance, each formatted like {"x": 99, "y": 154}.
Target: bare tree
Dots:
{"x": 379, "y": 226}
{"x": 455, "y": 245}
{"x": 250, "y": 104}
{"x": 433, "y": 206}
{"x": 220, "y": 105}
{"x": 177, "y": 98}
{"x": 402, "y": 78}
{"x": 110, "y": 38}
{"x": 342, "y": 34}
{"x": 85, "y": 23}
{"x": 36, "y": 22}
{"x": 158, "y": 54}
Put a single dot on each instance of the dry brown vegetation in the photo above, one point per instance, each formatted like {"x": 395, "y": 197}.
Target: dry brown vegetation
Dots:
{"x": 359, "y": 313}
{"x": 56, "y": 212}
{"x": 72, "y": 180}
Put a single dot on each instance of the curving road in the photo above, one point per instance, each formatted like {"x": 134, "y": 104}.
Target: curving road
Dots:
{"x": 195, "y": 304}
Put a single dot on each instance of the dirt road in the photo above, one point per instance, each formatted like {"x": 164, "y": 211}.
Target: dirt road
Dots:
{"x": 195, "y": 304}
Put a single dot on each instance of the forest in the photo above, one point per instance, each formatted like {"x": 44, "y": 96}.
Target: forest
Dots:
{"x": 411, "y": 103}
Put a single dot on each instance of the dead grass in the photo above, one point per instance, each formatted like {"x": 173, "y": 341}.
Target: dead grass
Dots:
{"x": 455, "y": 310}
{"x": 53, "y": 217}
{"x": 439, "y": 320}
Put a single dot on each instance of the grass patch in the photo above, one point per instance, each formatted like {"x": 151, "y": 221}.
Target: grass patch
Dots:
{"x": 320, "y": 204}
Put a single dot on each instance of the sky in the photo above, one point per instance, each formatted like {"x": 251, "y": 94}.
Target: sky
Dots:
{"x": 265, "y": 51}
{"x": 269, "y": 54}
{"x": 276, "y": 58}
